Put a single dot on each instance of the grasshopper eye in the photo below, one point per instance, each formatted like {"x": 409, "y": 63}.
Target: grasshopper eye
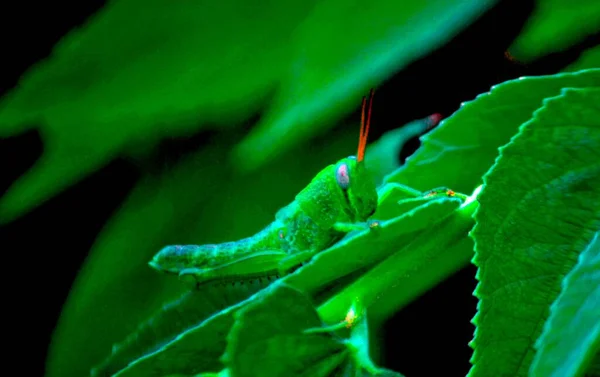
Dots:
{"x": 342, "y": 177}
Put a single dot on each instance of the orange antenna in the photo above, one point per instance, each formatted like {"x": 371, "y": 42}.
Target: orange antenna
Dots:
{"x": 364, "y": 127}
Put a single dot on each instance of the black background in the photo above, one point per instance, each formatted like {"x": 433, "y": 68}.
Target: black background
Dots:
{"x": 41, "y": 252}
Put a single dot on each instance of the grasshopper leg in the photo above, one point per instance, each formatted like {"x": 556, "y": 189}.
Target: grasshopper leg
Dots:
{"x": 443, "y": 190}
{"x": 349, "y": 227}
{"x": 188, "y": 275}
{"x": 287, "y": 264}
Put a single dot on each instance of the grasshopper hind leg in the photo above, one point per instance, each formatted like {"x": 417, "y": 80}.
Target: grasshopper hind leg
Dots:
{"x": 292, "y": 262}
{"x": 243, "y": 284}
{"x": 350, "y": 227}
{"x": 189, "y": 276}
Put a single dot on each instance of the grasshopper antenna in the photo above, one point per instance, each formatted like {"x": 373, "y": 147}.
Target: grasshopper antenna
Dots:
{"x": 364, "y": 127}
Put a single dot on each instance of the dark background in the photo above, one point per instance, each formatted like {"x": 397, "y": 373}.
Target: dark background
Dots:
{"x": 41, "y": 252}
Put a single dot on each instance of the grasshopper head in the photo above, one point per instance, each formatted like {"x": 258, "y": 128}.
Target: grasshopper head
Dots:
{"x": 352, "y": 176}
{"x": 345, "y": 191}
{"x": 358, "y": 186}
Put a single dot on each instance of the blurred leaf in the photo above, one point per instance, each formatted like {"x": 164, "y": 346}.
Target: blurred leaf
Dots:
{"x": 188, "y": 311}
{"x": 394, "y": 199}
{"x": 382, "y": 156}
{"x": 115, "y": 277}
{"x": 590, "y": 58}
{"x": 554, "y": 26}
{"x": 539, "y": 208}
{"x": 382, "y": 373}
{"x": 129, "y": 78}
{"x": 191, "y": 350}
{"x": 571, "y": 336}
{"x": 594, "y": 367}
{"x": 464, "y": 146}
{"x": 341, "y": 50}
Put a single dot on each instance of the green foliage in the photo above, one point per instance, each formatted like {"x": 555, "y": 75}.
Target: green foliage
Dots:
{"x": 186, "y": 312}
{"x": 556, "y": 25}
{"x": 588, "y": 59}
{"x": 262, "y": 342}
{"x": 530, "y": 146}
{"x": 295, "y": 343}
{"x": 333, "y": 38}
{"x": 382, "y": 156}
{"x": 478, "y": 129}
{"x": 571, "y": 335}
{"x": 540, "y": 206}
{"x": 197, "y": 349}
{"x": 129, "y": 78}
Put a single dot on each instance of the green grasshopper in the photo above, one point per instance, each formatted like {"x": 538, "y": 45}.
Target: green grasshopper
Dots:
{"x": 338, "y": 200}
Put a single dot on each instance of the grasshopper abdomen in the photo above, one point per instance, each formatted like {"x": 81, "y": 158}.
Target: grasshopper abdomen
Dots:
{"x": 177, "y": 258}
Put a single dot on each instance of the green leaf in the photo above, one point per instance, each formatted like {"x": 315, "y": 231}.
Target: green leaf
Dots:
{"x": 196, "y": 350}
{"x": 342, "y": 49}
{"x": 554, "y": 26}
{"x": 590, "y": 58}
{"x": 280, "y": 334}
{"x": 189, "y": 311}
{"x": 464, "y": 146}
{"x": 571, "y": 336}
{"x": 382, "y": 156}
{"x": 539, "y": 208}
{"x": 115, "y": 277}
{"x": 268, "y": 338}
{"x": 395, "y": 200}
{"x": 128, "y": 78}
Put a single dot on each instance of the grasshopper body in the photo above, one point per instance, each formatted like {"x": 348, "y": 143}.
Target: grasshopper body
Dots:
{"x": 339, "y": 199}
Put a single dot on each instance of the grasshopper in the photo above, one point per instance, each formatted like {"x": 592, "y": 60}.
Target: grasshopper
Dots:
{"x": 338, "y": 200}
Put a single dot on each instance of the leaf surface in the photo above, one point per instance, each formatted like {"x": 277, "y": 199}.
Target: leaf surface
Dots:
{"x": 539, "y": 208}
{"x": 554, "y": 26}
{"x": 571, "y": 336}
{"x": 459, "y": 151}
